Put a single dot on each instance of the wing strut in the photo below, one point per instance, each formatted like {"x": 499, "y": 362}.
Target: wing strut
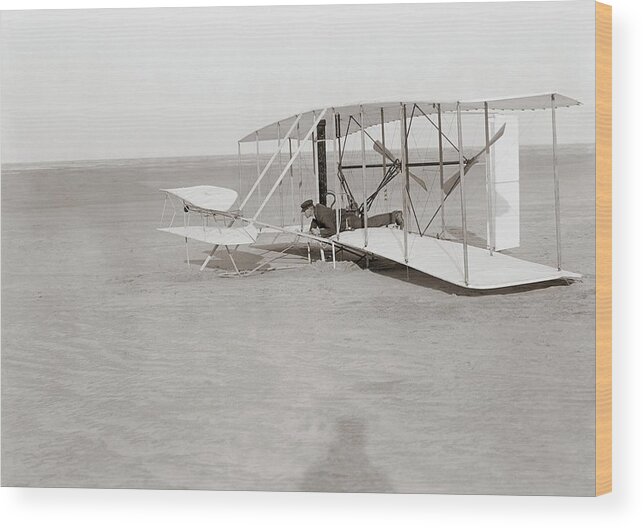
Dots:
{"x": 272, "y": 159}
{"x": 289, "y": 164}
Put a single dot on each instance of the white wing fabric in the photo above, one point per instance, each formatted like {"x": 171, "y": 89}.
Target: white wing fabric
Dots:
{"x": 223, "y": 236}
{"x": 206, "y": 197}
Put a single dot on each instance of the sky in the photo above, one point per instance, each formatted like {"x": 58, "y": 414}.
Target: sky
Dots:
{"x": 129, "y": 83}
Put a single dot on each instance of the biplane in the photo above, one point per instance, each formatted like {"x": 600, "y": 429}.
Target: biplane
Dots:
{"x": 460, "y": 203}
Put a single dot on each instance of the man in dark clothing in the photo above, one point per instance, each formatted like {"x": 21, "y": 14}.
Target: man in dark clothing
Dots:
{"x": 324, "y": 219}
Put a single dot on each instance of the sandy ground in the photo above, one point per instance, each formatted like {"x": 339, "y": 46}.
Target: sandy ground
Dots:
{"x": 122, "y": 367}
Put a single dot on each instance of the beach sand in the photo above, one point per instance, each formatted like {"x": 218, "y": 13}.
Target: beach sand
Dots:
{"x": 123, "y": 367}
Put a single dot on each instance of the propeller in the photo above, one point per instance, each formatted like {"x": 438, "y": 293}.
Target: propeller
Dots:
{"x": 449, "y": 184}
{"x": 381, "y": 149}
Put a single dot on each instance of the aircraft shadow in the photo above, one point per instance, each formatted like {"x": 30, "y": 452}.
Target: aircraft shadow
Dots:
{"x": 248, "y": 260}
{"x": 221, "y": 262}
{"x": 417, "y": 278}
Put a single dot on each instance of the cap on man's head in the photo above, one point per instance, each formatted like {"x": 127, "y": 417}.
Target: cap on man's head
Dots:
{"x": 305, "y": 205}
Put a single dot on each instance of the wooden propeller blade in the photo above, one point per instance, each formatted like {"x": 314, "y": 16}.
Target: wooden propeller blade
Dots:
{"x": 449, "y": 184}
{"x": 453, "y": 180}
{"x": 381, "y": 149}
{"x": 418, "y": 180}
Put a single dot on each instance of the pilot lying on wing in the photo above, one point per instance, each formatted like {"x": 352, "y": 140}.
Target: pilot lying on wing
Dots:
{"x": 323, "y": 223}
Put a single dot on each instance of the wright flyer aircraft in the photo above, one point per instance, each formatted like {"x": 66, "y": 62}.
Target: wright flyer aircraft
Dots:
{"x": 451, "y": 168}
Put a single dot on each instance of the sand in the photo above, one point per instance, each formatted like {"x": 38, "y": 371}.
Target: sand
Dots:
{"x": 123, "y": 367}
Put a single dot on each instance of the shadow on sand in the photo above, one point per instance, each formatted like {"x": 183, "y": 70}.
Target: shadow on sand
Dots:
{"x": 345, "y": 467}
{"x": 221, "y": 261}
{"x": 399, "y": 272}
{"x": 247, "y": 260}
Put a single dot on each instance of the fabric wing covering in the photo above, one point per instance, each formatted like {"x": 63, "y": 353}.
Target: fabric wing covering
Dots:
{"x": 373, "y": 117}
{"x": 216, "y": 235}
{"x": 206, "y": 197}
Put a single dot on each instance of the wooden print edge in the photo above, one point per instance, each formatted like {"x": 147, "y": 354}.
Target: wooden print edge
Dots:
{"x": 603, "y": 249}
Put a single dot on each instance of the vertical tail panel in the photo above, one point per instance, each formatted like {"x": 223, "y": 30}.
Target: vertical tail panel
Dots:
{"x": 505, "y": 184}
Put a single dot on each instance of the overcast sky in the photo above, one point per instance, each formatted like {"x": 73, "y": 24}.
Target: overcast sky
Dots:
{"x": 94, "y": 84}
